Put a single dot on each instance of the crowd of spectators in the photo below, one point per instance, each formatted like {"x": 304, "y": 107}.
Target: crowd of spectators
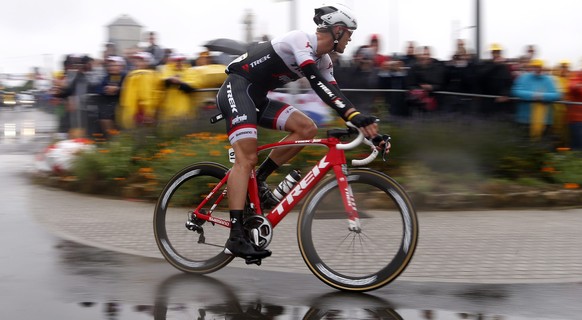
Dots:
{"x": 140, "y": 87}
{"x": 150, "y": 85}
{"x": 522, "y": 90}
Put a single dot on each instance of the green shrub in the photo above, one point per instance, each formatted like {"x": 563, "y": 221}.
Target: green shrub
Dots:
{"x": 436, "y": 155}
{"x": 564, "y": 167}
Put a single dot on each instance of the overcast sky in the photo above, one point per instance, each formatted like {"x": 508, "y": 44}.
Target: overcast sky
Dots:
{"x": 40, "y": 33}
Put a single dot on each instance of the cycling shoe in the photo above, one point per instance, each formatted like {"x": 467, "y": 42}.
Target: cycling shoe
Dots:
{"x": 243, "y": 248}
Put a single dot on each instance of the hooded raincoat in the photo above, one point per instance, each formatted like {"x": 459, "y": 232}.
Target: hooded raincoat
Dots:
{"x": 139, "y": 98}
{"x": 176, "y": 97}
{"x": 538, "y": 114}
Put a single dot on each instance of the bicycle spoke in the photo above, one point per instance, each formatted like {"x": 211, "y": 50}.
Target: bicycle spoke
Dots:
{"x": 367, "y": 254}
{"x": 194, "y": 245}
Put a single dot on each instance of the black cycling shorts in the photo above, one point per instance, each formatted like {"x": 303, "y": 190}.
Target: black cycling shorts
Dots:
{"x": 245, "y": 105}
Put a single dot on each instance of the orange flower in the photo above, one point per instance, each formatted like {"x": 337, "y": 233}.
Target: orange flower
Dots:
{"x": 145, "y": 170}
{"x": 548, "y": 169}
{"x": 215, "y": 153}
{"x": 571, "y": 186}
{"x": 563, "y": 149}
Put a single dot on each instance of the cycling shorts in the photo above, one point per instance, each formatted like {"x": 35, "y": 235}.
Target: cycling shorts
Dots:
{"x": 245, "y": 105}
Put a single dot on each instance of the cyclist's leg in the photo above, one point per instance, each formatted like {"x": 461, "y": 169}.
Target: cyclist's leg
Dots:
{"x": 245, "y": 151}
{"x": 280, "y": 116}
{"x": 239, "y": 112}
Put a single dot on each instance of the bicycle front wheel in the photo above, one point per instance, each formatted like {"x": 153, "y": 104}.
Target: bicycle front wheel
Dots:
{"x": 192, "y": 245}
{"x": 371, "y": 256}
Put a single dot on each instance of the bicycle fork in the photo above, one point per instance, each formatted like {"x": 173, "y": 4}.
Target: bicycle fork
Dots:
{"x": 347, "y": 198}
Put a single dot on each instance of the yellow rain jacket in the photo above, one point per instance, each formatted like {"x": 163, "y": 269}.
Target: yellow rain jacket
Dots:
{"x": 560, "y": 125}
{"x": 207, "y": 76}
{"x": 176, "y": 104}
{"x": 139, "y": 98}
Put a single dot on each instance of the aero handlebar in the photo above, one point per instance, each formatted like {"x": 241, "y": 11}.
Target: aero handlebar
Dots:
{"x": 356, "y": 142}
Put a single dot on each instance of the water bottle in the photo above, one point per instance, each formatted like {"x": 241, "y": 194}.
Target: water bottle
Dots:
{"x": 287, "y": 184}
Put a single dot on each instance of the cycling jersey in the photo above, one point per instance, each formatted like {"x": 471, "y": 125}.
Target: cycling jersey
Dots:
{"x": 277, "y": 62}
{"x": 270, "y": 65}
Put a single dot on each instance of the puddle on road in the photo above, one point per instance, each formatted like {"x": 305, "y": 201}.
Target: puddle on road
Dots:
{"x": 184, "y": 296}
{"x": 107, "y": 285}
{"x": 260, "y": 310}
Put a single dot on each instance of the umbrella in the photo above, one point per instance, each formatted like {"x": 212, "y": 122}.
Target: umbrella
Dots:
{"x": 226, "y": 45}
{"x": 225, "y": 58}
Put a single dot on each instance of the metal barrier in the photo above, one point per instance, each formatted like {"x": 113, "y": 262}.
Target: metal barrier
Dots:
{"x": 462, "y": 94}
{"x": 90, "y": 123}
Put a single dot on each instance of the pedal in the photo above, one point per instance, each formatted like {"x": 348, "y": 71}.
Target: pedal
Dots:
{"x": 256, "y": 261}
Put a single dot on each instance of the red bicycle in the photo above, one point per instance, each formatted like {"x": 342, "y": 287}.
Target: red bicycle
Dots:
{"x": 357, "y": 229}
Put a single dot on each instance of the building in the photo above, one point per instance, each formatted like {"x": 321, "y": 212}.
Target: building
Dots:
{"x": 124, "y": 33}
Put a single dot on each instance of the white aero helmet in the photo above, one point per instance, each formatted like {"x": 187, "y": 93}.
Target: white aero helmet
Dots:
{"x": 335, "y": 14}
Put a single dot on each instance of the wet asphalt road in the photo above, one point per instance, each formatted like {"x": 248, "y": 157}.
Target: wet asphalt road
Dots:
{"x": 45, "y": 277}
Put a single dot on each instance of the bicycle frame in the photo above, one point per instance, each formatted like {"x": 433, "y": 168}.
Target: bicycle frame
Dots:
{"x": 334, "y": 159}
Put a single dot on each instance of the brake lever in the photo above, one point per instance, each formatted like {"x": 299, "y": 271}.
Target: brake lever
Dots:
{"x": 378, "y": 139}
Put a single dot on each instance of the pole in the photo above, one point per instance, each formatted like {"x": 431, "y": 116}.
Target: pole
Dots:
{"x": 293, "y": 23}
{"x": 478, "y": 29}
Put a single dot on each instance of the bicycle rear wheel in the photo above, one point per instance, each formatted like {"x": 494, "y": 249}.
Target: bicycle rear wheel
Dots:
{"x": 358, "y": 260}
{"x": 199, "y": 247}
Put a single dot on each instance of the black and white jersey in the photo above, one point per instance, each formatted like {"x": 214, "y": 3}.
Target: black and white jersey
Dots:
{"x": 274, "y": 63}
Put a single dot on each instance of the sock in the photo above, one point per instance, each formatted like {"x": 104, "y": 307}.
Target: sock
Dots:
{"x": 266, "y": 168}
{"x": 236, "y": 221}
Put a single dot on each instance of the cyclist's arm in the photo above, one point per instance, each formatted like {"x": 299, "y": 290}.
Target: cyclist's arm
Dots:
{"x": 327, "y": 91}
{"x": 331, "y": 95}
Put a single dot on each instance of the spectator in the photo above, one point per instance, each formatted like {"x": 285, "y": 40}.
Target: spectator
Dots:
{"x": 459, "y": 77}
{"x": 340, "y": 69}
{"x": 530, "y": 53}
{"x": 128, "y": 56}
{"x": 59, "y": 94}
{"x": 139, "y": 94}
{"x": 110, "y": 50}
{"x": 363, "y": 75}
{"x": 495, "y": 78}
{"x": 537, "y": 91}
{"x": 574, "y": 112}
{"x": 423, "y": 79}
{"x": 79, "y": 85}
{"x": 203, "y": 59}
{"x": 167, "y": 53}
{"x": 110, "y": 91}
{"x": 460, "y": 48}
{"x": 562, "y": 77}
{"x": 409, "y": 58}
{"x": 155, "y": 50}
{"x": 176, "y": 105}
{"x": 375, "y": 46}
{"x": 392, "y": 75}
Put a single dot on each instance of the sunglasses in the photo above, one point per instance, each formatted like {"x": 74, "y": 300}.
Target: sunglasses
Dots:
{"x": 351, "y": 31}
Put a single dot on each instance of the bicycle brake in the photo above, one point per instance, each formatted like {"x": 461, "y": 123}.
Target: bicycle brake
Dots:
{"x": 382, "y": 138}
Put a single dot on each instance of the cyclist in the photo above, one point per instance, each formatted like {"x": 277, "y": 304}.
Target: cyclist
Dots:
{"x": 243, "y": 101}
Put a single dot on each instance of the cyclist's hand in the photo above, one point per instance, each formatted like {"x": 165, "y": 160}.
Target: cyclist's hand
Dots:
{"x": 366, "y": 123}
{"x": 382, "y": 143}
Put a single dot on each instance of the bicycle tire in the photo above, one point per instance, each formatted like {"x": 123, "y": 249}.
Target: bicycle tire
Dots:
{"x": 388, "y": 221}
{"x": 180, "y": 246}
